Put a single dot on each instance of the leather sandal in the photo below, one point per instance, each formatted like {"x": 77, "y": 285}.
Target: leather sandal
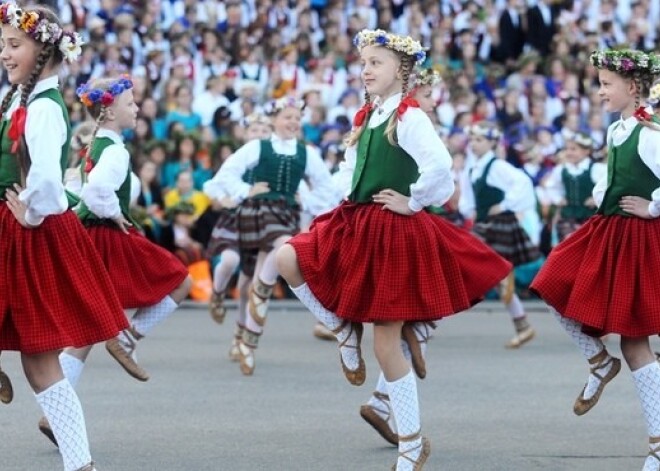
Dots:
{"x": 125, "y": 357}
{"x": 258, "y": 301}
{"x": 44, "y": 427}
{"x": 372, "y": 414}
{"x": 358, "y": 376}
{"x": 654, "y": 445}
{"x": 246, "y": 347}
{"x": 217, "y": 309}
{"x": 6, "y": 388}
{"x": 599, "y": 361}
{"x": 425, "y": 446}
{"x": 409, "y": 335}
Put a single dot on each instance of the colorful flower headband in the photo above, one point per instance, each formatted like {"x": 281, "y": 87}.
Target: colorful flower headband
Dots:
{"x": 428, "y": 76}
{"x": 403, "y": 44}
{"x": 92, "y": 96}
{"x": 492, "y": 134}
{"x": 626, "y": 62}
{"x": 275, "y": 106}
{"x": 41, "y": 30}
{"x": 255, "y": 118}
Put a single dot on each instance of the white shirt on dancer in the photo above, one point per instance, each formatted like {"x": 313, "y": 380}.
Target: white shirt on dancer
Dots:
{"x": 649, "y": 143}
{"x": 417, "y": 137}
{"x": 45, "y": 134}
{"x": 554, "y": 184}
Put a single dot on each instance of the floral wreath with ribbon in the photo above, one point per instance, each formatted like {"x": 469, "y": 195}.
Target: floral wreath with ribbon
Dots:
{"x": 580, "y": 138}
{"x": 429, "y": 76}
{"x": 403, "y": 44}
{"x": 35, "y": 25}
{"x": 255, "y": 118}
{"x": 275, "y": 106}
{"x": 492, "y": 134}
{"x": 106, "y": 97}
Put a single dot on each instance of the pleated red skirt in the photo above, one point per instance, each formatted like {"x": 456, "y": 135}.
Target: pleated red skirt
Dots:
{"x": 367, "y": 264}
{"x": 54, "y": 291}
{"x": 606, "y": 276}
{"x": 142, "y": 272}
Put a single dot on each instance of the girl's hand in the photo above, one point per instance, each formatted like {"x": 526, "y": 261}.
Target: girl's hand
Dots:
{"x": 497, "y": 209}
{"x": 590, "y": 202}
{"x": 17, "y": 207}
{"x": 395, "y": 202}
{"x": 123, "y": 224}
{"x": 258, "y": 189}
{"x": 636, "y": 206}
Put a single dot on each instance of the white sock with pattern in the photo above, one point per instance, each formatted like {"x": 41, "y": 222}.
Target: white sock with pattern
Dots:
{"x": 647, "y": 383}
{"x": 146, "y": 318}
{"x": 71, "y": 367}
{"x": 62, "y": 408}
{"x": 332, "y": 322}
{"x": 225, "y": 268}
{"x": 589, "y": 346}
{"x": 380, "y": 405}
{"x": 405, "y": 406}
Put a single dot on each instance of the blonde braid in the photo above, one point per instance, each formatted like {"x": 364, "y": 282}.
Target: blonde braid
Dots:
{"x": 405, "y": 68}
{"x": 88, "y": 151}
{"x": 355, "y": 134}
{"x": 6, "y": 101}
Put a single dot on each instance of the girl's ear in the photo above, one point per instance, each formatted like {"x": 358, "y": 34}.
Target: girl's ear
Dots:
{"x": 109, "y": 114}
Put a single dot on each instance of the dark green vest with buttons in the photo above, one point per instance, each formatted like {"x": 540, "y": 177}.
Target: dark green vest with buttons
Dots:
{"x": 283, "y": 173}
{"x": 486, "y": 196}
{"x": 10, "y": 171}
{"x": 123, "y": 193}
{"x": 380, "y": 165}
{"x": 577, "y": 188}
{"x": 627, "y": 175}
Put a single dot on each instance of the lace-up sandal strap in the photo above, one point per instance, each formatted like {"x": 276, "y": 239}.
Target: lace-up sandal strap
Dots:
{"x": 654, "y": 443}
{"x": 381, "y": 396}
{"x": 424, "y": 447}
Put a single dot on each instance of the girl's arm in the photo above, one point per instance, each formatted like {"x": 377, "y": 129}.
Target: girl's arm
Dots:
{"x": 343, "y": 179}
{"x": 555, "y": 186}
{"x": 45, "y": 134}
{"x": 419, "y": 139}
{"x": 323, "y": 190}
{"x": 229, "y": 178}
{"x": 104, "y": 180}
{"x": 517, "y": 187}
{"x": 649, "y": 143}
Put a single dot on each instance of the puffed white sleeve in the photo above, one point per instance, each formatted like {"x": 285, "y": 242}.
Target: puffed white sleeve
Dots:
{"x": 518, "y": 188}
{"x": 649, "y": 143}
{"x": 343, "y": 178}
{"x": 104, "y": 180}
{"x": 45, "y": 134}
{"x": 554, "y": 185}
{"x": 418, "y": 138}
{"x": 229, "y": 179}
{"x": 136, "y": 188}
{"x": 323, "y": 195}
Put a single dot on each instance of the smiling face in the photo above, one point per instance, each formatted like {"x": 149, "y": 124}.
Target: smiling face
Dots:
{"x": 616, "y": 92}
{"x": 286, "y": 123}
{"x": 380, "y": 71}
{"x": 19, "y": 54}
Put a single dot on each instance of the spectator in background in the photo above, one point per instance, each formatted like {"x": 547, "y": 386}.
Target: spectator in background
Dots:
{"x": 185, "y": 192}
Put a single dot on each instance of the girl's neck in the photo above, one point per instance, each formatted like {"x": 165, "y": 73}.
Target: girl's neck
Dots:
{"x": 386, "y": 96}
{"x": 628, "y": 111}
{"x": 111, "y": 126}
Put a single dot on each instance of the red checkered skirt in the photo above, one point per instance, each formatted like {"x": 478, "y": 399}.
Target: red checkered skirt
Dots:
{"x": 54, "y": 291}
{"x": 606, "y": 276}
{"x": 366, "y": 264}
{"x": 142, "y": 272}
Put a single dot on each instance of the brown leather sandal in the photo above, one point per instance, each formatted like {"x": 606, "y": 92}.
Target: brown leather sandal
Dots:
{"x": 599, "y": 361}
{"x": 425, "y": 446}
{"x": 6, "y": 388}
{"x": 234, "y": 354}
{"x": 654, "y": 450}
{"x": 125, "y": 357}
{"x": 358, "y": 376}
{"x": 409, "y": 335}
{"x": 88, "y": 467}
{"x": 44, "y": 427}
{"x": 371, "y": 415}
{"x": 217, "y": 309}
{"x": 258, "y": 301}
{"x": 246, "y": 347}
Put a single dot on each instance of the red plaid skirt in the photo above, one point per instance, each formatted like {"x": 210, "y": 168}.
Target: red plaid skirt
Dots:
{"x": 54, "y": 291}
{"x": 366, "y": 264}
{"x": 606, "y": 276}
{"x": 142, "y": 272}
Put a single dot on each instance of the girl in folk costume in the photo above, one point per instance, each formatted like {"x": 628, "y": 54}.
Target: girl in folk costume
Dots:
{"x": 570, "y": 184}
{"x": 616, "y": 250}
{"x": 224, "y": 242}
{"x": 404, "y": 264}
{"x": 268, "y": 213}
{"x": 499, "y": 191}
{"x": 52, "y": 292}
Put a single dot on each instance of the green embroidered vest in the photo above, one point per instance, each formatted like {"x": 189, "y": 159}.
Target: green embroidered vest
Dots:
{"x": 10, "y": 171}
{"x": 283, "y": 173}
{"x": 627, "y": 175}
{"x": 380, "y": 165}
{"x": 577, "y": 188}
{"x": 123, "y": 193}
{"x": 486, "y": 196}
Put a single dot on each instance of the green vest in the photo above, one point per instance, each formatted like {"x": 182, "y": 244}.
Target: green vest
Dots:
{"x": 283, "y": 173}
{"x": 123, "y": 193}
{"x": 10, "y": 171}
{"x": 380, "y": 165}
{"x": 627, "y": 175}
{"x": 578, "y": 188}
{"x": 486, "y": 196}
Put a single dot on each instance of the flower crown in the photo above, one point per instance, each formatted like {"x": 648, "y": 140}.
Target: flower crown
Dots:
{"x": 92, "y": 96}
{"x": 581, "y": 139}
{"x": 255, "y": 118}
{"x": 41, "y": 30}
{"x": 492, "y": 134}
{"x": 654, "y": 94}
{"x": 626, "y": 62}
{"x": 275, "y": 106}
{"x": 428, "y": 76}
{"x": 403, "y": 44}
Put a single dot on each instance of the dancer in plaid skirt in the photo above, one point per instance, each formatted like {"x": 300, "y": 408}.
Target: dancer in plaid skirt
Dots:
{"x": 53, "y": 291}
{"x": 571, "y": 183}
{"x": 268, "y": 213}
{"x": 604, "y": 277}
{"x": 379, "y": 257}
{"x": 499, "y": 191}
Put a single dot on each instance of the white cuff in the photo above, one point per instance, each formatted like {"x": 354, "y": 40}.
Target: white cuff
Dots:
{"x": 33, "y": 220}
{"x": 654, "y": 211}
{"x": 414, "y": 205}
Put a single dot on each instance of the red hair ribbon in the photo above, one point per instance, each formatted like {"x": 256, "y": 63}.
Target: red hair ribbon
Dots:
{"x": 17, "y": 127}
{"x": 362, "y": 114}
{"x": 642, "y": 115}
{"x": 89, "y": 164}
{"x": 407, "y": 102}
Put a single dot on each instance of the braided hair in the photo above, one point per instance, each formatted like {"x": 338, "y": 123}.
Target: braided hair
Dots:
{"x": 405, "y": 67}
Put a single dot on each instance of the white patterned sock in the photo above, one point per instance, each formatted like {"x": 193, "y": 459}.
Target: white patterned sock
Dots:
{"x": 381, "y": 406}
{"x": 62, "y": 408}
{"x": 589, "y": 346}
{"x": 647, "y": 383}
{"x": 405, "y": 405}
{"x": 332, "y": 322}
{"x": 423, "y": 333}
{"x": 146, "y": 318}
{"x": 225, "y": 268}
{"x": 71, "y": 367}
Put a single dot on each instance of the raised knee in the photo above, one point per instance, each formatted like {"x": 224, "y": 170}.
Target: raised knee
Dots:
{"x": 287, "y": 262}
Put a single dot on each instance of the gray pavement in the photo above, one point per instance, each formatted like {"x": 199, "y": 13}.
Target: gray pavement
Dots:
{"x": 483, "y": 407}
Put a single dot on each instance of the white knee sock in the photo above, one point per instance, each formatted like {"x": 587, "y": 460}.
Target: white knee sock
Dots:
{"x": 515, "y": 307}
{"x": 71, "y": 367}
{"x": 146, "y": 318}
{"x": 269, "y": 272}
{"x": 647, "y": 383}
{"x": 229, "y": 261}
{"x": 405, "y": 405}
{"x": 381, "y": 407}
{"x": 332, "y": 322}
{"x": 251, "y": 324}
{"x": 243, "y": 293}
{"x": 62, "y": 408}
